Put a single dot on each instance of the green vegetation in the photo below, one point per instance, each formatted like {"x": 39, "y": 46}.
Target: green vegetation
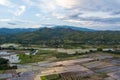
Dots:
{"x": 99, "y": 49}
{"x": 51, "y": 77}
{"x": 4, "y": 65}
{"x": 46, "y": 55}
{"x": 65, "y": 38}
{"x": 42, "y": 55}
{"x": 99, "y": 76}
{"x": 2, "y": 71}
{"x": 113, "y": 52}
{"x": 53, "y": 55}
{"x": 104, "y": 75}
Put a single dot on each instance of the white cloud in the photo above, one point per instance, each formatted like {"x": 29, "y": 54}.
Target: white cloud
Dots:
{"x": 5, "y": 20}
{"x": 87, "y": 12}
{"x": 6, "y": 3}
{"x": 59, "y": 16}
{"x": 29, "y": 2}
{"x": 13, "y": 8}
{"x": 20, "y": 10}
{"x": 67, "y": 3}
{"x": 37, "y": 14}
{"x": 82, "y": 12}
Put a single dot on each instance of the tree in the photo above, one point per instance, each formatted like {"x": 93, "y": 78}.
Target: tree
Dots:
{"x": 4, "y": 64}
{"x": 99, "y": 49}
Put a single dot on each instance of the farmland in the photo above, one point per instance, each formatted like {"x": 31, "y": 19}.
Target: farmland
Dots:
{"x": 61, "y": 64}
{"x": 59, "y": 39}
{"x": 89, "y": 69}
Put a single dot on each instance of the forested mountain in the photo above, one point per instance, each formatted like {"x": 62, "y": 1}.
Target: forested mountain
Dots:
{"x": 73, "y": 27}
{"x": 22, "y": 30}
{"x": 59, "y": 36}
{"x": 16, "y": 30}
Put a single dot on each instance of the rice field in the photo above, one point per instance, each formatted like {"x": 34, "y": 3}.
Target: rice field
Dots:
{"x": 101, "y": 67}
{"x": 94, "y": 66}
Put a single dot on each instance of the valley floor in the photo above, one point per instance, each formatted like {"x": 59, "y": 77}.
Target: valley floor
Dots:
{"x": 94, "y": 66}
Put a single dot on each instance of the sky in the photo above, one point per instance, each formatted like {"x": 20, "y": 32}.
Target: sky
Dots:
{"x": 93, "y": 14}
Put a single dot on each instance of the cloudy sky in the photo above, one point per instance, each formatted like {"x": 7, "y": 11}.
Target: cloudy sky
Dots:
{"x": 93, "y": 14}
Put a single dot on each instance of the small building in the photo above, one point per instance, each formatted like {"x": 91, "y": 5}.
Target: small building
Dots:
{"x": 108, "y": 49}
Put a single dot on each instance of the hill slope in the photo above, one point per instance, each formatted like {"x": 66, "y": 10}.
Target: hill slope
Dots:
{"x": 22, "y": 30}
{"x": 60, "y": 36}
{"x": 74, "y": 28}
{"x": 16, "y": 30}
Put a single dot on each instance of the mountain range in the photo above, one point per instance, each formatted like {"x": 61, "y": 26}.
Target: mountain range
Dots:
{"x": 15, "y": 30}
{"x": 74, "y": 28}
{"x": 23, "y": 30}
{"x": 58, "y": 35}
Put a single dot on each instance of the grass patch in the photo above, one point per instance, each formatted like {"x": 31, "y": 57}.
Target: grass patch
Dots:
{"x": 51, "y": 77}
{"x": 2, "y": 71}
{"x": 44, "y": 55}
